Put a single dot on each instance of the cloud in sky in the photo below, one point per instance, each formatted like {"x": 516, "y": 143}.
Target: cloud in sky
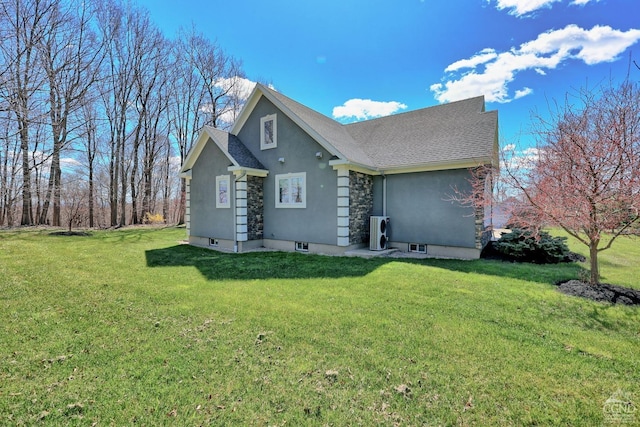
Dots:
{"x": 240, "y": 86}
{"x": 362, "y": 109}
{"x": 491, "y": 73}
{"x": 526, "y": 7}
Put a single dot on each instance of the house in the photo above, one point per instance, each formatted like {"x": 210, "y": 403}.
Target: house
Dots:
{"x": 289, "y": 178}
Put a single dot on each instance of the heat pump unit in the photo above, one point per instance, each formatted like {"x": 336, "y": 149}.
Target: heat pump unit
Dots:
{"x": 379, "y": 229}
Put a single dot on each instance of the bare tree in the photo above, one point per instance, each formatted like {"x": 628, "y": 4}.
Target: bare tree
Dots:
{"x": 205, "y": 91}
{"x": 71, "y": 56}
{"x": 26, "y": 22}
{"x": 585, "y": 178}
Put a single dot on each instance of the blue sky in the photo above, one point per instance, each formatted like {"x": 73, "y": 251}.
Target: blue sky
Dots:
{"x": 355, "y": 59}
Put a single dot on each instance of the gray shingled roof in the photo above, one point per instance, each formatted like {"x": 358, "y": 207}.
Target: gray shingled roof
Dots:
{"x": 236, "y": 149}
{"x": 445, "y": 134}
{"x": 451, "y": 133}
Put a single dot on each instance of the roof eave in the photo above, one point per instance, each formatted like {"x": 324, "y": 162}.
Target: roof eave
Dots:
{"x": 249, "y": 171}
{"x": 437, "y": 166}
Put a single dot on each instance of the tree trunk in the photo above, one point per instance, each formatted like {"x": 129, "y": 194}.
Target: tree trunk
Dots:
{"x": 593, "y": 259}
{"x": 27, "y": 214}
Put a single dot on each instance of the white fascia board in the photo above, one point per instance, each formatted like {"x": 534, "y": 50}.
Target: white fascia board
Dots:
{"x": 427, "y": 167}
{"x": 247, "y": 109}
{"x": 253, "y": 101}
{"x": 438, "y": 166}
{"x": 186, "y": 174}
{"x": 195, "y": 151}
{"x": 249, "y": 171}
{"x": 346, "y": 164}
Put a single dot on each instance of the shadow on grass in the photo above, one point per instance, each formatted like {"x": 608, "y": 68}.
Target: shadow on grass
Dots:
{"x": 215, "y": 265}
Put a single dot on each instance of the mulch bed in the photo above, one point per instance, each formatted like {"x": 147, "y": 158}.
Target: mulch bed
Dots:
{"x": 601, "y": 292}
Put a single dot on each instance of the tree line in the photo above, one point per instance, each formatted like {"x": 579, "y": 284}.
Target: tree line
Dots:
{"x": 98, "y": 110}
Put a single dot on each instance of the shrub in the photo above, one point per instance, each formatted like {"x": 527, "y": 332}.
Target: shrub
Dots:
{"x": 524, "y": 246}
{"x": 153, "y": 218}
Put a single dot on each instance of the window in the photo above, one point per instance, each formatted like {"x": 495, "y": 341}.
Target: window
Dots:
{"x": 291, "y": 190}
{"x": 418, "y": 247}
{"x": 213, "y": 242}
{"x": 268, "y": 132}
{"x": 302, "y": 246}
{"x": 222, "y": 191}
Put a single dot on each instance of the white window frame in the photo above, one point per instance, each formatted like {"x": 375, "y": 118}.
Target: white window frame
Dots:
{"x": 264, "y": 144}
{"x": 290, "y": 177}
{"x": 220, "y": 202}
{"x": 420, "y": 248}
{"x": 302, "y": 246}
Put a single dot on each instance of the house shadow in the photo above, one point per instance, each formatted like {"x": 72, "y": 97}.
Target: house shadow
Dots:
{"x": 215, "y": 265}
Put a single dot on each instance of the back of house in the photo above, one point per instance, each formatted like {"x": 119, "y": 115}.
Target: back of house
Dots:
{"x": 289, "y": 178}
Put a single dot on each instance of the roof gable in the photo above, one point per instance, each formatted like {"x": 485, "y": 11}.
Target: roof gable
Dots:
{"x": 453, "y": 135}
{"x": 331, "y": 135}
{"x": 229, "y": 144}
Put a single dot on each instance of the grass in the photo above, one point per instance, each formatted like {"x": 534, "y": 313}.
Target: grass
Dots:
{"x": 128, "y": 327}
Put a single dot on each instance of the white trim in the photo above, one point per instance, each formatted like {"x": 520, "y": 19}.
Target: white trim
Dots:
{"x": 239, "y": 170}
{"x": 341, "y": 164}
{"x": 303, "y": 190}
{"x": 264, "y": 145}
{"x": 223, "y": 201}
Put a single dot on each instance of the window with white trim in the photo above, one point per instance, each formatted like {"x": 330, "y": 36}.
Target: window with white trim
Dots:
{"x": 222, "y": 191}
{"x": 291, "y": 190}
{"x": 302, "y": 246}
{"x": 268, "y": 132}
{"x": 420, "y": 248}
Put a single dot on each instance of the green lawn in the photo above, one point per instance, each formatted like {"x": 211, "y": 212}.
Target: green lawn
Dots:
{"x": 130, "y": 328}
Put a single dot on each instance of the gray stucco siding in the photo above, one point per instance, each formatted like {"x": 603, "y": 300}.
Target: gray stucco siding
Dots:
{"x": 419, "y": 211}
{"x": 206, "y": 219}
{"x": 317, "y": 222}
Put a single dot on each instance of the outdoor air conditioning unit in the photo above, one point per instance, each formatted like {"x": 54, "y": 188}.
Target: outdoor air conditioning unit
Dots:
{"x": 379, "y": 229}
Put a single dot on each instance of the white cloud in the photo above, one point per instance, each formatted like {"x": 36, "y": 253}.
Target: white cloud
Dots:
{"x": 482, "y": 57}
{"x": 239, "y": 86}
{"x": 526, "y": 7}
{"x": 491, "y": 75}
{"x": 363, "y": 109}
{"x": 523, "y": 92}
{"x": 523, "y": 7}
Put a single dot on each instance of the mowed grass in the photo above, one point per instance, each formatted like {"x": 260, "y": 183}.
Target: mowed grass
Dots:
{"x": 129, "y": 327}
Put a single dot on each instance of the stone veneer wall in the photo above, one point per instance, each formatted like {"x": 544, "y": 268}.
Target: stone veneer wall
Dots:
{"x": 360, "y": 206}
{"x": 255, "y": 207}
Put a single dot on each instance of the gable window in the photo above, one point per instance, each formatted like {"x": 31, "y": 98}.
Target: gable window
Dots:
{"x": 291, "y": 190}
{"x": 268, "y": 132}
{"x": 222, "y": 191}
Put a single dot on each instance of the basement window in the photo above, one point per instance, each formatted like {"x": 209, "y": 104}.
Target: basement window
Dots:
{"x": 302, "y": 246}
{"x": 420, "y": 248}
{"x": 213, "y": 242}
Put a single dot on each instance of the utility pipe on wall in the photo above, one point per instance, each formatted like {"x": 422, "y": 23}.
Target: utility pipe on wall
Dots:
{"x": 384, "y": 195}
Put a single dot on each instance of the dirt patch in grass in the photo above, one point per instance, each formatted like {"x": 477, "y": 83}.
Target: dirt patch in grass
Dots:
{"x": 602, "y": 292}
